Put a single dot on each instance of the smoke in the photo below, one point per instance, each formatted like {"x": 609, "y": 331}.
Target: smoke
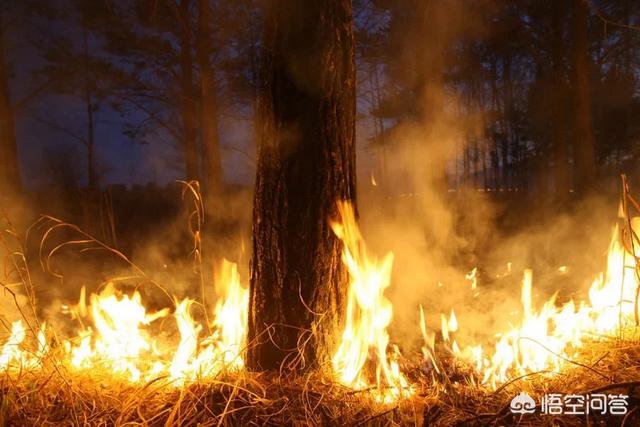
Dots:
{"x": 439, "y": 235}
{"x": 439, "y": 230}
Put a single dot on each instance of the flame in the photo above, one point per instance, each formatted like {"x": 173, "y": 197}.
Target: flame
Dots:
{"x": 231, "y": 314}
{"x": 545, "y": 338}
{"x": 120, "y": 343}
{"x": 368, "y": 313}
{"x": 13, "y": 355}
{"x": 11, "y": 351}
{"x": 189, "y": 330}
{"x": 428, "y": 349}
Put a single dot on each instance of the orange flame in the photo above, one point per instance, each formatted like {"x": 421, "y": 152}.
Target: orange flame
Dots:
{"x": 547, "y": 337}
{"x": 368, "y": 313}
{"x": 121, "y": 343}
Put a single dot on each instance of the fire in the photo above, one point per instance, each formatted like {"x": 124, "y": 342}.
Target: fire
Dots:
{"x": 368, "y": 313}
{"x": 11, "y": 349}
{"x": 231, "y": 313}
{"x": 13, "y": 355}
{"x": 116, "y": 328}
{"x": 546, "y": 338}
{"x": 118, "y": 340}
{"x": 224, "y": 347}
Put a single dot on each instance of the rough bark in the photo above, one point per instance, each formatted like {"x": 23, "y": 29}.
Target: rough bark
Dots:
{"x": 583, "y": 144}
{"x": 9, "y": 167}
{"x": 306, "y": 162}
{"x": 213, "y": 178}
{"x": 189, "y": 143}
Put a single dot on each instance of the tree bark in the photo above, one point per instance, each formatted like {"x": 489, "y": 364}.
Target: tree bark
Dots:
{"x": 189, "y": 144}
{"x": 583, "y": 145}
{"x": 213, "y": 177}
{"x": 558, "y": 116}
{"x": 306, "y": 162}
{"x": 9, "y": 166}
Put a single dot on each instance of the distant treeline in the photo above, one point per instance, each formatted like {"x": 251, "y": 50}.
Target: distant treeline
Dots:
{"x": 544, "y": 92}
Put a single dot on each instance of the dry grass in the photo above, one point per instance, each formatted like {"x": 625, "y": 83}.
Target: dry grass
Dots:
{"x": 48, "y": 397}
{"x": 55, "y": 395}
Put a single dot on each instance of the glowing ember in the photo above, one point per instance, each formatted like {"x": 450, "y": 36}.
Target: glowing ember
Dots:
{"x": 473, "y": 277}
{"x": 368, "y": 314}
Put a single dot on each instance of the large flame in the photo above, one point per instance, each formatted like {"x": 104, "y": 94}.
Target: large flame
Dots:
{"x": 546, "y": 338}
{"x": 368, "y": 313}
{"x": 119, "y": 341}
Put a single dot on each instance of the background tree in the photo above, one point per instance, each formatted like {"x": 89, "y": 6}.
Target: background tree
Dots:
{"x": 306, "y": 162}
{"x": 73, "y": 67}
{"x": 213, "y": 178}
{"x": 9, "y": 166}
{"x": 583, "y": 144}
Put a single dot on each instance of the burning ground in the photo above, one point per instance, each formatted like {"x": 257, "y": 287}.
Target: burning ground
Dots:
{"x": 118, "y": 361}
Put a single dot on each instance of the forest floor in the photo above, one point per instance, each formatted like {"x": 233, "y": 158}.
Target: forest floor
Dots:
{"x": 54, "y": 395}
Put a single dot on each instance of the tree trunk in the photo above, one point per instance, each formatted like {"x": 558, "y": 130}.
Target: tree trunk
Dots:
{"x": 9, "y": 167}
{"x": 88, "y": 100}
{"x": 583, "y": 145}
{"x": 189, "y": 144}
{"x": 558, "y": 115}
{"x": 495, "y": 107}
{"x": 306, "y": 162}
{"x": 506, "y": 122}
{"x": 213, "y": 178}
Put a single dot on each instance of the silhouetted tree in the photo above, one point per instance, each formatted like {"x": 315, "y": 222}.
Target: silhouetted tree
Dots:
{"x": 583, "y": 145}
{"x": 209, "y": 115}
{"x": 9, "y": 167}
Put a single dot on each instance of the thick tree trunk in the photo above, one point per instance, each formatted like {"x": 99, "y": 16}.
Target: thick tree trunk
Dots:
{"x": 306, "y": 162}
{"x": 189, "y": 143}
{"x": 9, "y": 168}
{"x": 583, "y": 145}
{"x": 213, "y": 178}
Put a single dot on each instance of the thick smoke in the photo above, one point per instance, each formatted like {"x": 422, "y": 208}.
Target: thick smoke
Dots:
{"x": 440, "y": 233}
